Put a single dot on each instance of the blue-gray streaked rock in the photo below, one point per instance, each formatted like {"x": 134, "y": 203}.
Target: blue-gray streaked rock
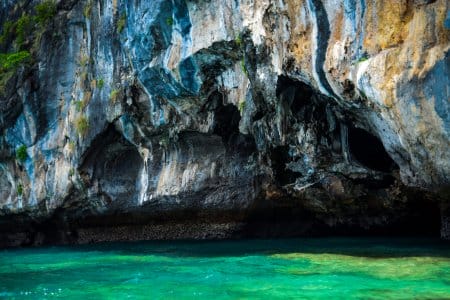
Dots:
{"x": 237, "y": 110}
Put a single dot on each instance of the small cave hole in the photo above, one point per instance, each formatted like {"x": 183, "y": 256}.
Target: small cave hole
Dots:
{"x": 227, "y": 120}
{"x": 296, "y": 93}
{"x": 280, "y": 157}
{"x": 226, "y": 125}
{"x": 369, "y": 151}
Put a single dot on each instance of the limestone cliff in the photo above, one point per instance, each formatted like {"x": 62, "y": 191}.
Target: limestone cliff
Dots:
{"x": 223, "y": 118}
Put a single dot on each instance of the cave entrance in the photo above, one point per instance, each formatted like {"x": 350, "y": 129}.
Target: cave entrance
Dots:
{"x": 120, "y": 172}
{"x": 115, "y": 164}
{"x": 226, "y": 125}
{"x": 295, "y": 94}
{"x": 369, "y": 151}
{"x": 227, "y": 120}
{"x": 280, "y": 158}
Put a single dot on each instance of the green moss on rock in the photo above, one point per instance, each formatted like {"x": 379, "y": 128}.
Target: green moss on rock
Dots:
{"x": 21, "y": 153}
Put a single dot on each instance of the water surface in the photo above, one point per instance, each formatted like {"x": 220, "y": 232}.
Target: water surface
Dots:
{"x": 338, "y": 268}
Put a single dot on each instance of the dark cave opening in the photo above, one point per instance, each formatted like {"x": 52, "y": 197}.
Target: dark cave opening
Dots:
{"x": 280, "y": 157}
{"x": 369, "y": 151}
{"x": 115, "y": 163}
{"x": 296, "y": 93}
{"x": 120, "y": 172}
{"x": 226, "y": 125}
{"x": 227, "y": 120}
{"x": 304, "y": 105}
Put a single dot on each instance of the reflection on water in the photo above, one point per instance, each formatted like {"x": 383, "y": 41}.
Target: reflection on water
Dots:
{"x": 339, "y": 268}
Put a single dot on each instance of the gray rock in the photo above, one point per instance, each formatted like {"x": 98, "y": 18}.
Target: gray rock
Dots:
{"x": 214, "y": 119}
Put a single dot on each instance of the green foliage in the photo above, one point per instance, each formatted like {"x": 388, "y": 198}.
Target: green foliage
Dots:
{"x": 241, "y": 106}
{"x": 45, "y": 11}
{"x": 169, "y": 21}
{"x": 238, "y": 40}
{"x": 24, "y": 29}
{"x": 19, "y": 189}
{"x": 82, "y": 125}
{"x": 7, "y": 32}
{"x": 87, "y": 9}
{"x": 10, "y": 61}
{"x": 17, "y": 33}
{"x": 21, "y": 153}
{"x": 121, "y": 23}
{"x": 113, "y": 96}
{"x": 100, "y": 83}
{"x": 71, "y": 172}
{"x": 363, "y": 58}
{"x": 79, "y": 105}
{"x": 243, "y": 68}
{"x": 4, "y": 79}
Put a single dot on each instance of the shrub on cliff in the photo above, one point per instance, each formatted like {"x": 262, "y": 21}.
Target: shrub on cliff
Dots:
{"x": 8, "y": 32}
{"x": 82, "y": 125}
{"x": 10, "y": 61}
{"x": 19, "y": 37}
{"x": 24, "y": 29}
{"x": 21, "y": 153}
{"x": 19, "y": 189}
{"x": 121, "y": 23}
{"x": 87, "y": 9}
{"x": 45, "y": 11}
{"x": 113, "y": 96}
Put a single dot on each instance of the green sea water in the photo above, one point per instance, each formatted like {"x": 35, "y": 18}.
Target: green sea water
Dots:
{"x": 325, "y": 268}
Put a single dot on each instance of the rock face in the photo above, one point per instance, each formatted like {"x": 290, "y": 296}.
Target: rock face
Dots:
{"x": 224, "y": 118}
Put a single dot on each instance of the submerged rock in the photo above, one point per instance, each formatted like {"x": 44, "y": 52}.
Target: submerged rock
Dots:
{"x": 203, "y": 119}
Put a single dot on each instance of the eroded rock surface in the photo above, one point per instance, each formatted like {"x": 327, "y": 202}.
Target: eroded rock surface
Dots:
{"x": 212, "y": 119}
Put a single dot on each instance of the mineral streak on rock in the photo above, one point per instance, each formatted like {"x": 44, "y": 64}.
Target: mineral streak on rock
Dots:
{"x": 224, "y": 118}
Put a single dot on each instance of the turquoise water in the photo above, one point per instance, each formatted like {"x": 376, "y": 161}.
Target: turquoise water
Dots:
{"x": 339, "y": 268}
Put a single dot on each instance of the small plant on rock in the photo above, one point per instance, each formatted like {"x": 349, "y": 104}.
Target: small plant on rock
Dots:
{"x": 113, "y": 96}
{"x": 87, "y": 9}
{"x": 361, "y": 59}
{"x": 19, "y": 189}
{"x": 243, "y": 68}
{"x": 11, "y": 61}
{"x": 7, "y": 31}
{"x": 121, "y": 23}
{"x": 100, "y": 83}
{"x": 238, "y": 40}
{"x": 24, "y": 29}
{"x": 241, "y": 106}
{"x": 45, "y": 11}
{"x": 364, "y": 57}
{"x": 79, "y": 104}
{"x": 21, "y": 153}
{"x": 82, "y": 125}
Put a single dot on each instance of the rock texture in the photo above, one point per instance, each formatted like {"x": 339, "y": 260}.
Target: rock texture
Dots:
{"x": 224, "y": 118}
